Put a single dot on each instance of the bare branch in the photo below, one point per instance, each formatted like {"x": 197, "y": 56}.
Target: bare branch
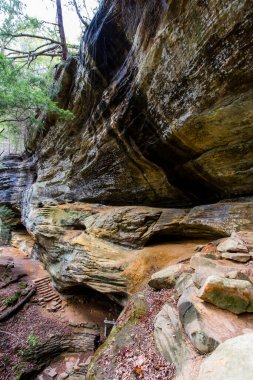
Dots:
{"x": 32, "y": 36}
{"x": 83, "y": 21}
{"x": 12, "y": 120}
{"x": 30, "y": 52}
{"x": 35, "y": 54}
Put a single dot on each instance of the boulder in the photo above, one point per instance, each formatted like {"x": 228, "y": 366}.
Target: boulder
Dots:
{"x": 229, "y": 294}
{"x": 232, "y": 360}
{"x": 171, "y": 343}
{"x": 233, "y": 244}
{"x": 166, "y": 278}
{"x": 236, "y": 256}
{"x": 207, "y": 326}
{"x": 200, "y": 276}
{"x": 183, "y": 282}
{"x": 205, "y": 266}
{"x": 196, "y": 327}
{"x": 202, "y": 261}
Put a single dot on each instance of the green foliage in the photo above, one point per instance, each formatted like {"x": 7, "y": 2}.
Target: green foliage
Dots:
{"x": 26, "y": 90}
{"x": 33, "y": 341}
{"x": 11, "y": 300}
{"x": 22, "y": 285}
{"x": 24, "y": 93}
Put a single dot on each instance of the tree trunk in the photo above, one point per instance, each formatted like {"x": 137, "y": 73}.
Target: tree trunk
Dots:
{"x": 61, "y": 30}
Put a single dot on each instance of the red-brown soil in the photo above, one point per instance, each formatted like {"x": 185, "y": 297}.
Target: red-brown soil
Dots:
{"x": 35, "y": 324}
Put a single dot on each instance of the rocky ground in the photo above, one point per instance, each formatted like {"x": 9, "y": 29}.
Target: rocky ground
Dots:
{"x": 203, "y": 318}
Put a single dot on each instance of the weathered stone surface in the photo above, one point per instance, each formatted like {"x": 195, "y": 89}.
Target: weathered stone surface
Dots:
{"x": 240, "y": 257}
{"x": 135, "y": 226}
{"x": 184, "y": 281}
{"x": 222, "y": 217}
{"x": 76, "y": 259}
{"x": 233, "y": 244}
{"x": 205, "y": 266}
{"x": 170, "y": 342}
{"x": 186, "y": 142}
{"x": 247, "y": 237}
{"x": 207, "y": 326}
{"x": 229, "y": 294}
{"x": 166, "y": 278}
{"x": 17, "y": 173}
{"x": 200, "y": 334}
{"x": 231, "y": 360}
{"x": 75, "y": 240}
{"x": 23, "y": 241}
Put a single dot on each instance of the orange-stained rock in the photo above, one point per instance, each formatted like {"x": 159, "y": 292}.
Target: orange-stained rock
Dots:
{"x": 229, "y": 294}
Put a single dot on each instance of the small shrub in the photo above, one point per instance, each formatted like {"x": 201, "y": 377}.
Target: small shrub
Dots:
{"x": 33, "y": 341}
{"x": 22, "y": 285}
{"x": 11, "y": 300}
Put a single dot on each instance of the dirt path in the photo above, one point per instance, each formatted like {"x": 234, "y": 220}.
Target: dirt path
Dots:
{"x": 48, "y": 319}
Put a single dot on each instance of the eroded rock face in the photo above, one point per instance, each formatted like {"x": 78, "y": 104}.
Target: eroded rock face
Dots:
{"x": 17, "y": 174}
{"x": 195, "y": 323}
{"x": 91, "y": 245}
{"x": 162, "y": 114}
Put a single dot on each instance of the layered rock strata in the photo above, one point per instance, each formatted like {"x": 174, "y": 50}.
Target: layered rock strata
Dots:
{"x": 162, "y": 114}
{"x": 91, "y": 245}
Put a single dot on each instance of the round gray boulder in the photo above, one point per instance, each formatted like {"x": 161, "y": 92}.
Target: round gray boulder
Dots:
{"x": 232, "y": 360}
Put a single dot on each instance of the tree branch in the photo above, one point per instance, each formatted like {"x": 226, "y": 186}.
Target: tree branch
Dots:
{"x": 30, "y": 52}
{"x": 31, "y": 36}
{"x": 12, "y": 120}
{"x": 83, "y": 21}
{"x": 34, "y": 54}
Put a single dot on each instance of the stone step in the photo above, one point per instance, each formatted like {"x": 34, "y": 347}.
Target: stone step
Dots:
{"x": 56, "y": 297}
{"x": 47, "y": 292}
{"x": 42, "y": 280}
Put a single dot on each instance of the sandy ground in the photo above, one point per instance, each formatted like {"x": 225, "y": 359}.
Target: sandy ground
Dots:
{"x": 153, "y": 258}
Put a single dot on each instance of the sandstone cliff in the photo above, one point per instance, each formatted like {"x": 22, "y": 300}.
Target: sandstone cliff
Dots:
{"x": 160, "y": 145}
